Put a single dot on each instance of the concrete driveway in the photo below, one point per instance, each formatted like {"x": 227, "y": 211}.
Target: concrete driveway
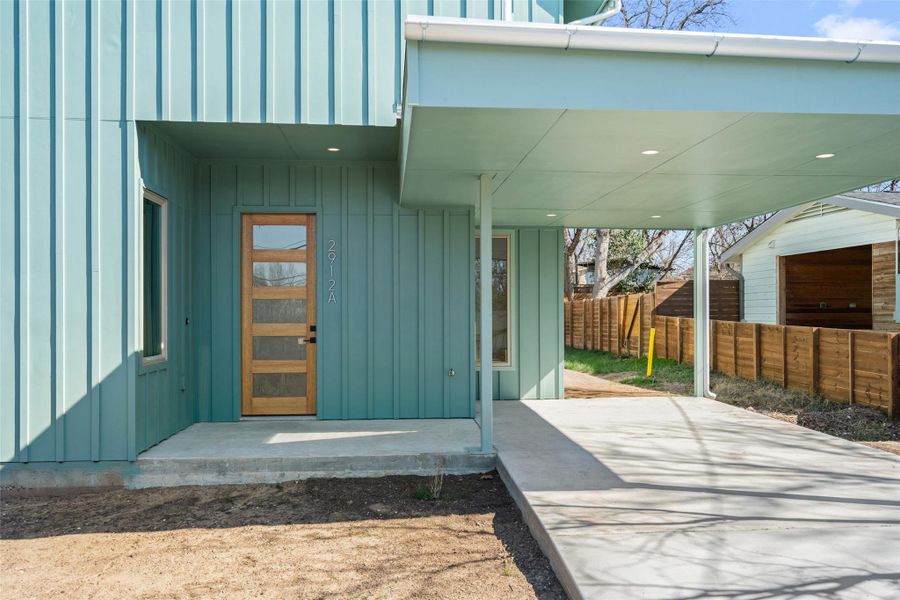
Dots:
{"x": 669, "y": 497}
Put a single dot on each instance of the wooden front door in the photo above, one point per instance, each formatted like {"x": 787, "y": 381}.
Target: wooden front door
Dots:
{"x": 278, "y": 314}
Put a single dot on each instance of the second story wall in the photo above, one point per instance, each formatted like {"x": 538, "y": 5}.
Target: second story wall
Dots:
{"x": 253, "y": 61}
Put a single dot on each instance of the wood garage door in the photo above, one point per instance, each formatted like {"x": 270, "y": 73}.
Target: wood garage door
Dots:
{"x": 278, "y": 314}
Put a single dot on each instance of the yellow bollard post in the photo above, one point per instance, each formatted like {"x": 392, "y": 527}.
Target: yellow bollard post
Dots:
{"x": 650, "y": 352}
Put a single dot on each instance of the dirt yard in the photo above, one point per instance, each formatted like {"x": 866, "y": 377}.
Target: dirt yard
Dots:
{"x": 351, "y": 538}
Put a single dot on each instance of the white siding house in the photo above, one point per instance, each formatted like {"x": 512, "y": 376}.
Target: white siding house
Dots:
{"x": 845, "y": 221}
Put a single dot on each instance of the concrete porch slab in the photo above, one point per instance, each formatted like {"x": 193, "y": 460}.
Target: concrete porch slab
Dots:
{"x": 680, "y": 498}
{"x": 280, "y": 450}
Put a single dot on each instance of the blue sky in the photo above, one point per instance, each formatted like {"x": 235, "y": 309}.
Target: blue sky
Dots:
{"x": 853, "y": 19}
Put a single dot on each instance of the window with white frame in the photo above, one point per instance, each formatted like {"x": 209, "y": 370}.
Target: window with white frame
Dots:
{"x": 501, "y": 317}
{"x": 154, "y": 277}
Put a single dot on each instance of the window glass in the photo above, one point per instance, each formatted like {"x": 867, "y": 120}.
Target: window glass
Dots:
{"x": 279, "y": 274}
{"x": 154, "y": 342}
{"x": 279, "y": 237}
{"x": 279, "y": 311}
{"x": 500, "y": 296}
{"x": 279, "y": 385}
{"x": 279, "y": 347}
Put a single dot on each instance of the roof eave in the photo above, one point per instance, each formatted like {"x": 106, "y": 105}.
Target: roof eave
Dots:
{"x": 574, "y": 37}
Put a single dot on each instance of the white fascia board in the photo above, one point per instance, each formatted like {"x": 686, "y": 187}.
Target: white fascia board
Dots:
{"x": 482, "y": 31}
{"x": 754, "y": 236}
{"x": 879, "y": 208}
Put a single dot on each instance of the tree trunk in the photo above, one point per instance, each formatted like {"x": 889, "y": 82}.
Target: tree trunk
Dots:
{"x": 601, "y": 269}
{"x": 567, "y": 279}
{"x": 571, "y": 268}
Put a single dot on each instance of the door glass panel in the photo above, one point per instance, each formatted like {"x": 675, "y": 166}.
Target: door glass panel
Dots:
{"x": 274, "y": 385}
{"x": 279, "y": 311}
{"x": 279, "y": 347}
{"x": 279, "y": 237}
{"x": 279, "y": 274}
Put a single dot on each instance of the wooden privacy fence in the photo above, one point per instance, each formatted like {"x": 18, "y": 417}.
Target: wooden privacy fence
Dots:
{"x": 840, "y": 364}
{"x": 676, "y": 299}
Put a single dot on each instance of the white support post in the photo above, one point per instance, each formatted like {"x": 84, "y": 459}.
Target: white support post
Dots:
{"x": 701, "y": 313}
{"x": 486, "y": 353}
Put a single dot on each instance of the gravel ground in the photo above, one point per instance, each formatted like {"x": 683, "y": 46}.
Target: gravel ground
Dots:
{"x": 345, "y": 538}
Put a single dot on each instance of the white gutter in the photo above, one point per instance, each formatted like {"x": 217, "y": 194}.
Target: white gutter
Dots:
{"x": 576, "y": 37}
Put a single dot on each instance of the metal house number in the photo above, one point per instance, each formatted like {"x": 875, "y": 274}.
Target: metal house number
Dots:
{"x": 332, "y": 284}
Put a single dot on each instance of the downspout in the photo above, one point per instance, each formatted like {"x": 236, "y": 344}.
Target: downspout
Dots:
{"x": 701, "y": 314}
{"x": 605, "y": 11}
{"x": 897, "y": 274}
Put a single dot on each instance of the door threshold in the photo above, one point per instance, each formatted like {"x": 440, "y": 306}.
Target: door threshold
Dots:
{"x": 281, "y": 418}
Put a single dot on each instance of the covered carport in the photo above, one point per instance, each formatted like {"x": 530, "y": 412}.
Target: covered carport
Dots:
{"x": 560, "y": 125}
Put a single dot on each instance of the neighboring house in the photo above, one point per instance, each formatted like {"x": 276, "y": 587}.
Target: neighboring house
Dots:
{"x": 831, "y": 263}
{"x": 218, "y": 210}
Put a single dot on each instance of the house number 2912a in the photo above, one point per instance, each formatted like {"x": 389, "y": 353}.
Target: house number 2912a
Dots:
{"x": 332, "y": 283}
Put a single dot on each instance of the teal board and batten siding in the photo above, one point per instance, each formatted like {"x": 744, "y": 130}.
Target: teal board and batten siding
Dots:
{"x": 164, "y": 401}
{"x": 75, "y": 77}
{"x": 67, "y": 326}
{"x": 402, "y": 318}
{"x": 537, "y": 321}
{"x": 252, "y": 61}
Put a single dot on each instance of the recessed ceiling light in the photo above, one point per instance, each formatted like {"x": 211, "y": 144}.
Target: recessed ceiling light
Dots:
{"x": 333, "y": 149}
{"x": 826, "y": 155}
{"x": 650, "y": 152}
{"x": 551, "y": 214}
{"x": 655, "y": 216}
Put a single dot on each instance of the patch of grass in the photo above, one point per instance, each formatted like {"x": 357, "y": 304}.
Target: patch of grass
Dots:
{"x": 768, "y": 396}
{"x": 667, "y": 374}
{"x": 643, "y": 381}
{"x": 509, "y": 568}
{"x": 423, "y": 492}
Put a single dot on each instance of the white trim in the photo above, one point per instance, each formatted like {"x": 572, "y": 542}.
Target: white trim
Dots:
{"x": 163, "y": 203}
{"x": 487, "y": 373}
{"x": 575, "y": 37}
{"x": 783, "y": 216}
{"x": 510, "y": 364}
{"x": 872, "y": 206}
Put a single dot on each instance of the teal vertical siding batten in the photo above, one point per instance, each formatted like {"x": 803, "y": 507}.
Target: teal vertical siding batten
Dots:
{"x": 23, "y": 336}
{"x": 59, "y": 228}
